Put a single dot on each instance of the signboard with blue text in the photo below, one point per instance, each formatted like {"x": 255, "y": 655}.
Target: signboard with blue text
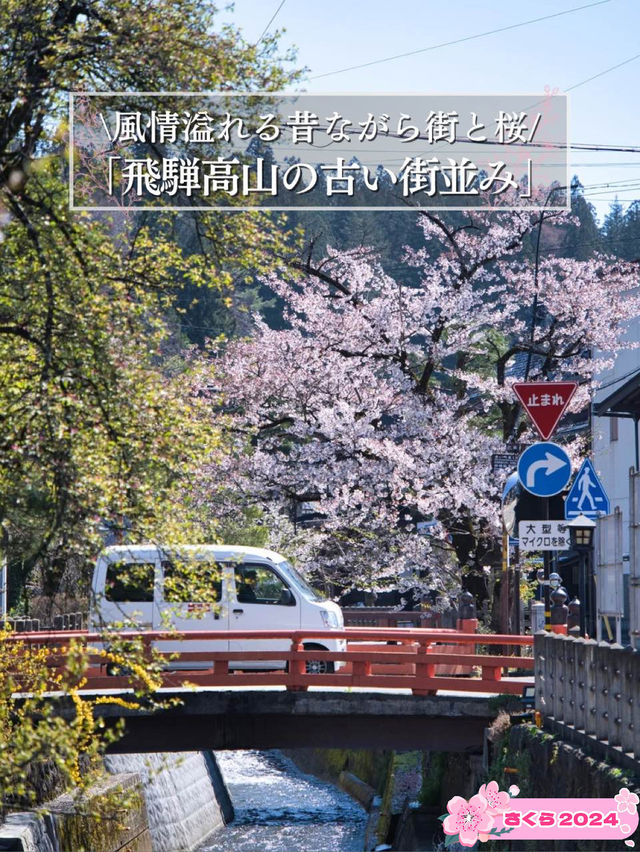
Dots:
{"x": 587, "y": 495}
{"x": 544, "y": 469}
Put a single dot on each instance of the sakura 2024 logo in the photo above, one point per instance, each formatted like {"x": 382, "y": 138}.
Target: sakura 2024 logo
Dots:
{"x": 493, "y": 814}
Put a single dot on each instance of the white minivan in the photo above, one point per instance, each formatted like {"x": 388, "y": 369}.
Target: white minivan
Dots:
{"x": 247, "y": 588}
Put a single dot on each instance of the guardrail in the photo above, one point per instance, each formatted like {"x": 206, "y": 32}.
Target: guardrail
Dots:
{"x": 367, "y": 660}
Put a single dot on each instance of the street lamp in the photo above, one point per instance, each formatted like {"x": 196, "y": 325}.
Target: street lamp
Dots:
{"x": 581, "y": 531}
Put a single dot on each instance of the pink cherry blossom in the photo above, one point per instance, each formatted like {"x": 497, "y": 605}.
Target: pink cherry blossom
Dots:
{"x": 497, "y": 801}
{"x": 468, "y": 819}
{"x": 514, "y": 790}
{"x": 382, "y": 401}
{"x": 626, "y": 801}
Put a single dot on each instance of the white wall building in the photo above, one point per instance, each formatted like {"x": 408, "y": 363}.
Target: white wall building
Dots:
{"x": 615, "y": 449}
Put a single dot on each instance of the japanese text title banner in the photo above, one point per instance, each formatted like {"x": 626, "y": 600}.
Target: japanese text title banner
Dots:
{"x": 236, "y": 151}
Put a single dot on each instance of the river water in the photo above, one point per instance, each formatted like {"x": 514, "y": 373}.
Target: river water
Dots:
{"x": 278, "y": 808}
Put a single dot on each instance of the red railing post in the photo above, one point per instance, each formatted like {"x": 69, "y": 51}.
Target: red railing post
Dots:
{"x": 361, "y": 671}
{"x": 467, "y": 625}
{"x": 221, "y": 667}
{"x": 492, "y": 673}
{"x": 297, "y": 667}
{"x": 425, "y": 672}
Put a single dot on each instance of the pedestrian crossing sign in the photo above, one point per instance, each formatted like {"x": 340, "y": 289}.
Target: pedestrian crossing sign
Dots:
{"x": 587, "y": 495}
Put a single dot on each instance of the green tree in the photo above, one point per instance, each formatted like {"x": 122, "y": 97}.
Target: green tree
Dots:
{"x": 92, "y": 428}
{"x": 49, "y": 48}
{"x": 630, "y": 242}
{"x": 97, "y": 423}
{"x": 613, "y": 229}
{"x": 584, "y": 241}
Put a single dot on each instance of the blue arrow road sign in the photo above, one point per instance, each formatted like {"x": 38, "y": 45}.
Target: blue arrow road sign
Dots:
{"x": 544, "y": 469}
{"x": 587, "y": 496}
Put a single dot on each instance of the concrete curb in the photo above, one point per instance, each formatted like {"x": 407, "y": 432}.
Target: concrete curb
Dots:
{"x": 357, "y": 789}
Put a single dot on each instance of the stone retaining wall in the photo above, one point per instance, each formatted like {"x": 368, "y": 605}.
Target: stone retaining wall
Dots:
{"x": 180, "y": 796}
{"x": 174, "y": 802}
{"x": 85, "y": 824}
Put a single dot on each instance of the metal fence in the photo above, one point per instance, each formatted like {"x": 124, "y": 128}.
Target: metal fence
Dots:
{"x": 68, "y": 621}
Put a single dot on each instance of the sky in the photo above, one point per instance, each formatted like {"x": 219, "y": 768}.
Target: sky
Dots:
{"x": 562, "y": 52}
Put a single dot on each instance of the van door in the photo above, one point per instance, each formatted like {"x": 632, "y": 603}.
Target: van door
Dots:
{"x": 125, "y": 592}
{"x": 262, "y": 600}
{"x": 178, "y": 610}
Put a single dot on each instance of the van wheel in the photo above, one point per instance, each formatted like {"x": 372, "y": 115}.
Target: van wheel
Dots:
{"x": 317, "y": 666}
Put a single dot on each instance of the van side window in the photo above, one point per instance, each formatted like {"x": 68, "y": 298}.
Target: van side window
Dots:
{"x": 130, "y": 582}
{"x": 195, "y": 580}
{"x": 259, "y": 584}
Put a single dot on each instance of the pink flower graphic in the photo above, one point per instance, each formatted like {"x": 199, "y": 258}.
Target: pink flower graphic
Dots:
{"x": 468, "y": 819}
{"x": 626, "y": 801}
{"x": 514, "y": 790}
{"x": 497, "y": 801}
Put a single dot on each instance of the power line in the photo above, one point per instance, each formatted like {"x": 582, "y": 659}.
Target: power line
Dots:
{"x": 471, "y": 144}
{"x": 593, "y": 77}
{"x": 602, "y": 73}
{"x": 272, "y": 19}
{"x": 460, "y": 40}
{"x": 618, "y": 379}
{"x": 606, "y": 197}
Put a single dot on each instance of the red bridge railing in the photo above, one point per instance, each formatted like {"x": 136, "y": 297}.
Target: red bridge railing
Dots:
{"x": 368, "y": 660}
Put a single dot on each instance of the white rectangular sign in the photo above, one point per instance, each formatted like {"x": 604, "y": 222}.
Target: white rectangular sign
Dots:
{"x": 543, "y": 535}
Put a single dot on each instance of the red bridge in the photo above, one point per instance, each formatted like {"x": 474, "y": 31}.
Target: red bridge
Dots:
{"x": 421, "y": 660}
{"x": 401, "y": 695}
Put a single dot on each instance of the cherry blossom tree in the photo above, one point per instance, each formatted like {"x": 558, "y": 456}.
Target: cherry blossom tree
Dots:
{"x": 383, "y": 402}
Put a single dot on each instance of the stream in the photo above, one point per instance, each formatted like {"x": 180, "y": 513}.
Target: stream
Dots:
{"x": 278, "y": 808}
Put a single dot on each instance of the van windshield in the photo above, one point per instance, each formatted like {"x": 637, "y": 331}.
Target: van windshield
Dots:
{"x": 287, "y": 568}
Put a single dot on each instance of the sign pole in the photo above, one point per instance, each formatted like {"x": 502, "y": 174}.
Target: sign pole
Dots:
{"x": 504, "y": 585}
{"x": 547, "y": 571}
{"x": 517, "y": 627}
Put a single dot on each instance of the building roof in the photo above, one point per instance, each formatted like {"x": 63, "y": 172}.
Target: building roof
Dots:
{"x": 623, "y": 402}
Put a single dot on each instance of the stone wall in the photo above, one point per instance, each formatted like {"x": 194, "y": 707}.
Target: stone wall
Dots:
{"x": 589, "y": 692}
{"x": 551, "y": 767}
{"x": 547, "y": 767}
{"x": 91, "y": 825}
{"x": 180, "y": 797}
{"x": 370, "y": 765}
{"x": 87, "y": 824}
{"x": 27, "y": 832}
{"x": 173, "y": 803}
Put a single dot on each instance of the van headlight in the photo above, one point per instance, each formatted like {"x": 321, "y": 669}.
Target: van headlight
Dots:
{"x": 329, "y": 619}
